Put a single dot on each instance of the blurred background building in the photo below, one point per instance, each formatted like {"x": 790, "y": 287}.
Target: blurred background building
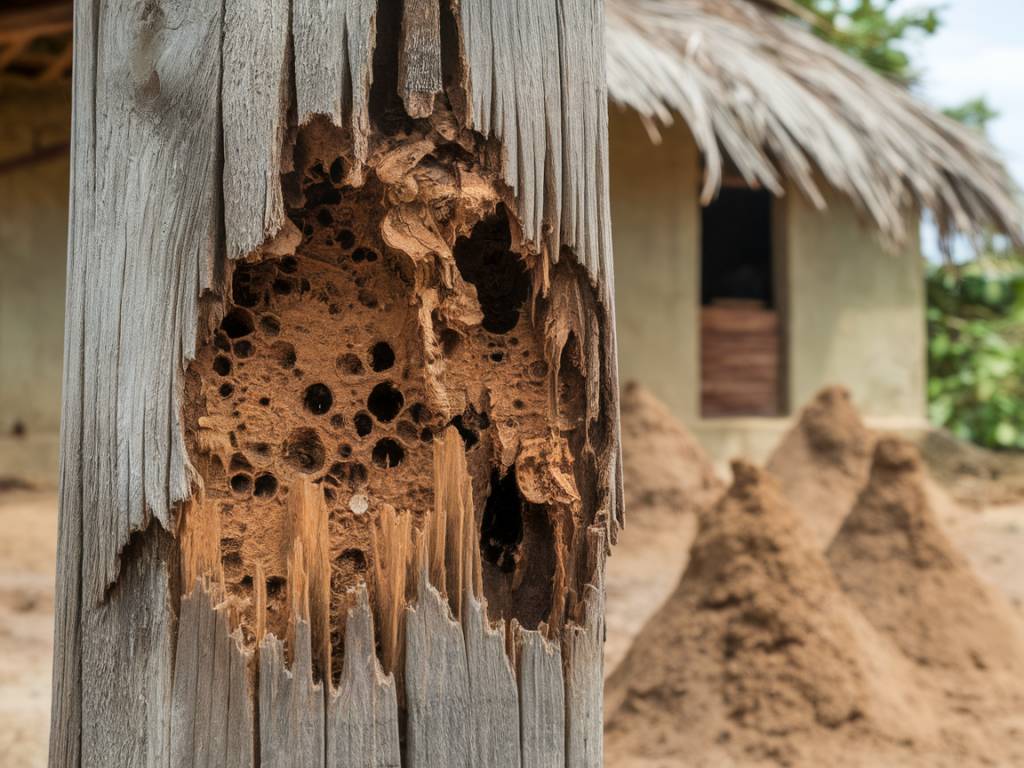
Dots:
{"x": 35, "y": 122}
{"x": 766, "y": 190}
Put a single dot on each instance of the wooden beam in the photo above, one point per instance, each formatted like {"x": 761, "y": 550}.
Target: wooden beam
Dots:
{"x": 13, "y": 50}
{"x": 51, "y": 18}
{"x": 36, "y": 156}
{"x": 60, "y": 64}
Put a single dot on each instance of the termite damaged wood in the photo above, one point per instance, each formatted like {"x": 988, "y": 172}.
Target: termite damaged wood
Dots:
{"x": 340, "y": 454}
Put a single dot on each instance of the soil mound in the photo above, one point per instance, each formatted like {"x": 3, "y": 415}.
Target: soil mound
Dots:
{"x": 664, "y": 467}
{"x": 667, "y": 477}
{"x": 893, "y": 560}
{"x": 757, "y": 658}
{"x": 823, "y": 461}
{"x": 974, "y": 476}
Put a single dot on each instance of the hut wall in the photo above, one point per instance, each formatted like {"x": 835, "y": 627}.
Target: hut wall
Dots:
{"x": 34, "y": 126}
{"x": 852, "y": 312}
{"x": 656, "y": 232}
{"x": 855, "y": 311}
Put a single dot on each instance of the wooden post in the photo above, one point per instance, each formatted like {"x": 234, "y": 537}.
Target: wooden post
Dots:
{"x": 340, "y": 454}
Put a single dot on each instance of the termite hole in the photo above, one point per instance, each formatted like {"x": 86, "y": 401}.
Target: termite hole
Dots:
{"x": 385, "y": 401}
{"x": 318, "y": 399}
{"x": 501, "y": 530}
{"x": 486, "y": 260}
{"x": 388, "y": 453}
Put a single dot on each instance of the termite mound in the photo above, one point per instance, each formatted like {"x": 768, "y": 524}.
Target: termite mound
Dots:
{"x": 397, "y": 302}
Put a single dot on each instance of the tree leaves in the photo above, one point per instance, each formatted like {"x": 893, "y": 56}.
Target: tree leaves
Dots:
{"x": 976, "y": 353}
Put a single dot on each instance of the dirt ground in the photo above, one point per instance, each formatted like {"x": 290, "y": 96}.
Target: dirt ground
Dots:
{"x": 28, "y": 546}
{"x": 642, "y": 574}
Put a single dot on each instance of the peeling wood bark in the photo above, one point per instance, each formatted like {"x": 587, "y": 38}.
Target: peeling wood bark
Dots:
{"x": 215, "y": 144}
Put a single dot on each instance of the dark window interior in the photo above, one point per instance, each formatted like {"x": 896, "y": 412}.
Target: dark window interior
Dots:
{"x": 736, "y": 256}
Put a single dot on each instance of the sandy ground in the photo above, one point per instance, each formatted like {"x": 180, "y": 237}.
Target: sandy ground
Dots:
{"x": 28, "y": 545}
{"x": 992, "y": 537}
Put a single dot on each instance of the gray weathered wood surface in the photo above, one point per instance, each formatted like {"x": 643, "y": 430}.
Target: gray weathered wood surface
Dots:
{"x": 257, "y": 75}
{"x": 127, "y": 654}
{"x": 362, "y": 714}
{"x": 291, "y": 705}
{"x": 142, "y": 246}
{"x": 419, "y": 56}
{"x": 180, "y": 119}
{"x": 212, "y": 703}
{"x": 334, "y": 42}
{"x": 584, "y": 669}
{"x": 436, "y": 684}
{"x": 541, "y": 700}
{"x": 493, "y": 698}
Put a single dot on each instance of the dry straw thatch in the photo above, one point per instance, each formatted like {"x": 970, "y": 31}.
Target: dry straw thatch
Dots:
{"x": 761, "y": 90}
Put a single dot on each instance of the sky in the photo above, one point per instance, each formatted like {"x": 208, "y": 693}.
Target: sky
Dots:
{"x": 978, "y": 51}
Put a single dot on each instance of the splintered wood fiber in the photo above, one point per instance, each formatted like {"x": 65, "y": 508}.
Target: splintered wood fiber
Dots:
{"x": 376, "y": 320}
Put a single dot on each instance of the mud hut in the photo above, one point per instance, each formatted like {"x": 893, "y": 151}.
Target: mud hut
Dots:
{"x": 767, "y": 191}
{"x": 35, "y": 118}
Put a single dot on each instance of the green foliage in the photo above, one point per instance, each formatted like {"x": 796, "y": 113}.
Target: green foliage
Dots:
{"x": 975, "y": 113}
{"x": 871, "y": 31}
{"x": 976, "y": 351}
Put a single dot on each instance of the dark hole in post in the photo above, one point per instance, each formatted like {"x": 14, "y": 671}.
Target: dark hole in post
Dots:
{"x": 222, "y": 365}
{"x": 385, "y": 401}
{"x": 363, "y": 422}
{"x": 501, "y": 530}
{"x": 318, "y": 399}
{"x": 241, "y": 483}
{"x": 265, "y": 486}
{"x": 237, "y": 323}
{"x": 486, "y": 260}
{"x": 382, "y": 356}
{"x": 304, "y": 450}
{"x": 388, "y": 453}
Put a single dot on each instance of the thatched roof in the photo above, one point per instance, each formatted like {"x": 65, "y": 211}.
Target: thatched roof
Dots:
{"x": 764, "y": 92}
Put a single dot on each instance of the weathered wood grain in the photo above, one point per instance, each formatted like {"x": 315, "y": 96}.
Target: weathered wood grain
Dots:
{"x": 334, "y": 41}
{"x": 211, "y": 710}
{"x": 541, "y": 700}
{"x": 583, "y": 648}
{"x": 291, "y": 705}
{"x": 142, "y": 247}
{"x": 362, "y": 714}
{"x": 436, "y": 684}
{"x": 127, "y": 650}
{"x": 493, "y": 699}
{"x": 255, "y": 107}
{"x": 419, "y": 56}
{"x": 536, "y": 83}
